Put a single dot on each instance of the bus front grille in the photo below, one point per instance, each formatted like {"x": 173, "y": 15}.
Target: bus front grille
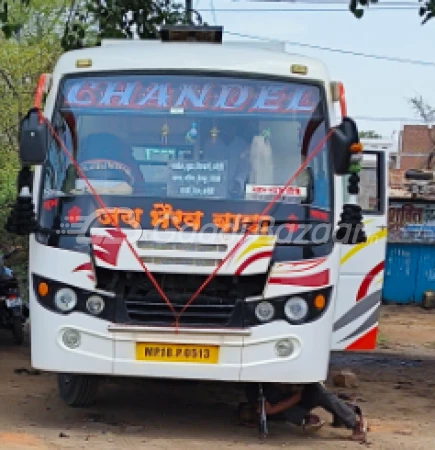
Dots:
{"x": 203, "y": 311}
{"x": 219, "y": 304}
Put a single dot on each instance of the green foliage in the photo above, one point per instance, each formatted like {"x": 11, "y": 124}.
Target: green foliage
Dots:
{"x": 23, "y": 58}
{"x": 370, "y": 134}
{"x": 32, "y": 20}
{"x": 122, "y": 19}
{"x": 119, "y": 20}
{"x": 88, "y": 21}
{"x": 426, "y": 11}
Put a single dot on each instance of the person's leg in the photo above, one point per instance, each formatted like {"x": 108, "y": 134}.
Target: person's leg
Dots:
{"x": 315, "y": 395}
{"x": 301, "y": 417}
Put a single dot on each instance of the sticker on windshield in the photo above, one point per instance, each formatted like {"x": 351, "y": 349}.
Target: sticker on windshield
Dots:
{"x": 104, "y": 165}
{"x": 290, "y": 194}
{"x": 197, "y": 179}
{"x": 182, "y": 94}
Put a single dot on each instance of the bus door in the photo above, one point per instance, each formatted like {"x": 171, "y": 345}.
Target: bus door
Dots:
{"x": 362, "y": 265}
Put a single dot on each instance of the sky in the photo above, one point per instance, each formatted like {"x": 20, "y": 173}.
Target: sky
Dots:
{"x": 375, "y": 88}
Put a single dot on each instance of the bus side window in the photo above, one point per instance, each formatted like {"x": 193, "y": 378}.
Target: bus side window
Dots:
{"x": 371, "y": 184}
{"x": 56, "y": 168}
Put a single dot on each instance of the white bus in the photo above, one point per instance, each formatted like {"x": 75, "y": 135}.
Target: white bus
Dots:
{"x": 158, "y": 177}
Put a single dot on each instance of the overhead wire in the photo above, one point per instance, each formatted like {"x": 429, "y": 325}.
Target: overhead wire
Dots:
{"x": 390, "y": 119}
{"x": 213, "y": 10}
{"x": 325, "y": 2}
{"x": 334, "y": 50}
{"x": 245, "y": 10}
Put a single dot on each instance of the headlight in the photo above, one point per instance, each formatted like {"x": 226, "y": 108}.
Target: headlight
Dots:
{"x": 284, "y": 348}
{"x": 95, "y": 304}
{"x": 296, "y": 309}
{"x": 65, "y": 299}
{"x": 264, "y": 311}
{"x": 71, "y": 338}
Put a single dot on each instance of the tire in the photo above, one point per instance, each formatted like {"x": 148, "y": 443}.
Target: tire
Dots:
{"x": 18, "y": 330}
{"x": 77, "y": 391}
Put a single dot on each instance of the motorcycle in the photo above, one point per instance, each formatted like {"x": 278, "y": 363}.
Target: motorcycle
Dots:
{"x": 13, "y": 313}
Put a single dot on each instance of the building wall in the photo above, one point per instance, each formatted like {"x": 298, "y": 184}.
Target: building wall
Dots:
{"x": 395, "y": 178}
{"x": 415, "y": 146}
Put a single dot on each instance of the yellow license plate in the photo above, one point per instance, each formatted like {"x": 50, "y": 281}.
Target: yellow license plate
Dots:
{"x": 186, "y": 353}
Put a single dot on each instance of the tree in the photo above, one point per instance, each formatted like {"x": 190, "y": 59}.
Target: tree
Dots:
{"x": 426, "y": 11}
{"x": 28, "y": 53}
{"x": 423, "y": 110}
{"x": 22, "y": 59}
{"x": 89, "y": 21}
{"x": 124, "y": 17}
{"x": 36, "y": 20}
{"x": 119, "y": 20}
{"x": 369, "y": 134}
{"x": 32, "y": 50}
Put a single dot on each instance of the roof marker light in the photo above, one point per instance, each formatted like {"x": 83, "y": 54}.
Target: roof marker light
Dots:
{"x": 299, "y": 69}
{"x": 83, "y": 63}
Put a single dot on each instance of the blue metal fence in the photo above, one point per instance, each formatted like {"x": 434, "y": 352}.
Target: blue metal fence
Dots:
{"x": 410, "y": 259}
{"x": 409, "y": 272}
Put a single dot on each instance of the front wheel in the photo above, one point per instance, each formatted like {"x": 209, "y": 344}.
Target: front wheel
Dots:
{"x": 78, "y": 391}
{"x": 18, "y": 330}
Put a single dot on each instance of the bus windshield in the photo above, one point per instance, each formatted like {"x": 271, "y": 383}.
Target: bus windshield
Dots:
{"x": 191, "y": 137}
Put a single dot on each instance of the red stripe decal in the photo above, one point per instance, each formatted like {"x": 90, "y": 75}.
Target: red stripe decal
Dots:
{"x": 364, "y": 287}
{"x": 290, "y": 267}
{"x": 110, "y": 245}
{"x": 251, "y": 259}
{"x": 365, "y": 342}
{"x": 85, "y": 266}
{"x": 315, "y": 280}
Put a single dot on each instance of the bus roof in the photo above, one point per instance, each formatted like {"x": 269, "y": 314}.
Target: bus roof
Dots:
{"x": 226, "y": 57}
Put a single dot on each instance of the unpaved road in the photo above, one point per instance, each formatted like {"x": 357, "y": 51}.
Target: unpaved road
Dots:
{"x": 396, "y": 391}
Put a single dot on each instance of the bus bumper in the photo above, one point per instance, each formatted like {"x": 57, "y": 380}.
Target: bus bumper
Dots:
{"x": 244, "y": 355}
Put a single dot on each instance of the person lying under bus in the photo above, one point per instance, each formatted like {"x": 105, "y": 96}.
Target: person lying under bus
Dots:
{"x": 294, "y": 404}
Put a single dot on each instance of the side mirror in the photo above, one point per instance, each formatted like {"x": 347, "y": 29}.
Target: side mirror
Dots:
{"x": 342, "y": 138}
{"x": 34, "y": 135}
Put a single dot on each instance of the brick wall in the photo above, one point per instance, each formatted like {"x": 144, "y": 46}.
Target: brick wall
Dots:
{"x": 395, "y": 177}
{"x": 415, "y": 139}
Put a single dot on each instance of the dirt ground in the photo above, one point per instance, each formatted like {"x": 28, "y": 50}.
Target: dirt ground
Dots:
{"x": 396, "y": 390}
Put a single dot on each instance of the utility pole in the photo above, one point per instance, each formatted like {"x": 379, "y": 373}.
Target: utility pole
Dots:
{"x": 189, "y": 8}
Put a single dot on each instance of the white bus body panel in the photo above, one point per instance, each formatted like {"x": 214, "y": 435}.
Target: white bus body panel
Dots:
{"x": 359, "y": 290}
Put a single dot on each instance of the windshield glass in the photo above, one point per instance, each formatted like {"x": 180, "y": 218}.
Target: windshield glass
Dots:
{"x": 188, "y": 137}
{"x": 199, "y": 149}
